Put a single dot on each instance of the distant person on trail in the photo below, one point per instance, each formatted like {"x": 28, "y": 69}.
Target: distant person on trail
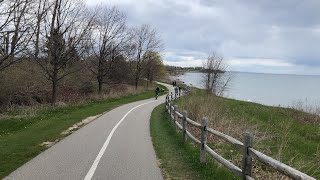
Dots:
{"x": 173, "y": 83}
{"x": 176, "y": 89}
{"x": 179, "y": 90}
{"x": 157, "y": 92}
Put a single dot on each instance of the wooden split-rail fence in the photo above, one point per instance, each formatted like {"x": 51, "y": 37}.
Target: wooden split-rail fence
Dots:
{"x": 248, "y": 152}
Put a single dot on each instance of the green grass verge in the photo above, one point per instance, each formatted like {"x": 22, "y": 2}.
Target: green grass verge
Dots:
{"x": 179, "y": 161}
{"x": 20, "y": 137}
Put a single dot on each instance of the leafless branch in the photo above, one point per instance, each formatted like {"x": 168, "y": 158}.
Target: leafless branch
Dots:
{"x": 215, "y": 78}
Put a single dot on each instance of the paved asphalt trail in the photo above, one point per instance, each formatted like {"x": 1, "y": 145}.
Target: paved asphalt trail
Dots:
{"x": 129, "y": 153}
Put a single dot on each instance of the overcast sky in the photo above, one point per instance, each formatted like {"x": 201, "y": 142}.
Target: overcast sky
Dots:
{"x": 253, "y": 35}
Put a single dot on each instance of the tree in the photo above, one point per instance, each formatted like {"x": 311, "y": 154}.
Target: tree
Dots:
{"x": 15, "y": 31}
{"x": 106, "y": 42}
{"x": 215, "y": 78}
{"x": 142, "y": 39}
{"x": 43, "y": 6}
{"x": 65, "y": 40}
{"x": 154, "y": 67}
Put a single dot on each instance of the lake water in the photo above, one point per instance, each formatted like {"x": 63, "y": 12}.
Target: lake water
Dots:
{"x": 268, "y": 89}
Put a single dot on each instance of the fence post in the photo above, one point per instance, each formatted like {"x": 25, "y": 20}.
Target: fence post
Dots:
{"x": 184, "y": 126}
{"x": 247, "y": 159}
{"x": 166, "y": 100}
{"x": 175, "y": 116}
{"x": 171, "y": 111}
{"x": 204, "y": 134}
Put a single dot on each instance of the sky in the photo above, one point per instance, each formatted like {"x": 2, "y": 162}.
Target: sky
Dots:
{"x": 263, "y": 36}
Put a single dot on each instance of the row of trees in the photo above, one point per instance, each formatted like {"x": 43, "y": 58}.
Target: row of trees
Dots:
{"x": 64, "y": 36}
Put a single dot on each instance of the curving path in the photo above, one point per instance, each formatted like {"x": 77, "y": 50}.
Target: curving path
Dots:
{"x": 117, "y": 145}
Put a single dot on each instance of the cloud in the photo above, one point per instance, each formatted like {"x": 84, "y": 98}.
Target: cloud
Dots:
{"x": 259, "y": 62}
{"x": 254, "y": 35}
{"x": 184, "y": 58}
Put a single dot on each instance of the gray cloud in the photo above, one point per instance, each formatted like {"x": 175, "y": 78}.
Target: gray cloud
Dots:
{"x": 286, "y": 31}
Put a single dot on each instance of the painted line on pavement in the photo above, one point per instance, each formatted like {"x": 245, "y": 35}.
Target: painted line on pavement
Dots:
{"x": 106, "y": 143}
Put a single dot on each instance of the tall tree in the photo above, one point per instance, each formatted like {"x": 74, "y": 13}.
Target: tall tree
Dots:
{"x": 15, "y": 31}
{"x": 106, "y": 42}
{"x": 66, "y": 31}
{"x": 143, "y": 39}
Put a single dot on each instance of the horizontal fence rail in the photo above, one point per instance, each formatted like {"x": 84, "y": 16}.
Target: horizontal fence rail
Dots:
{"x": 246, "y": 147}
{"x": 195, "y": 124}
{"x": 179, "y": 115}
{"x": 194, "y": 139}
{"x": 229, "y": 139}
{"x": 279, "y": 166}
{"x": 235, "y": 169}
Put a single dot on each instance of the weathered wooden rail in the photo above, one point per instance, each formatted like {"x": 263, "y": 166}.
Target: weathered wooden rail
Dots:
{"x": 246, "y": 146}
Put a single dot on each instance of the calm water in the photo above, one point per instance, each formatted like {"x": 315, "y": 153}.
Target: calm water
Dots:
{"x": 268, "y": 89}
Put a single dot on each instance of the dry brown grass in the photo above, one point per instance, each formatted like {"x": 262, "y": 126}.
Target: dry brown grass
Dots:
{"x": 116, "y": 91}
{"x": 214, "y": 109}
{"x": 71, "y": 98}
{"x": 312, "y": 115}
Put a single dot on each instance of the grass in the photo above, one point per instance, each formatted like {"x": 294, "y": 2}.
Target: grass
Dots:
{"x": 20, "y": 137}
{"x": 178, "y": 160}
{"x": 286, "y": 134}
{"x": 291, "y": 139}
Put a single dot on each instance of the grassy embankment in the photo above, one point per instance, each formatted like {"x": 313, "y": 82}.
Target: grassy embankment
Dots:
{"x": 288, "y": 135}
{"x": 20, "y": 136}
{"x": 178, "y": 161}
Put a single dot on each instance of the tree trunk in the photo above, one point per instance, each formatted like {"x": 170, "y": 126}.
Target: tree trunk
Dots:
{"x": 54, "y": 89}
{"x": 137, "y": 78}
{"x": 208, "y": 82}
{"x": 100, "y": 72}
{"x": 147, "y": 84}
{"x": 36, "y": 54}
{"x": 137, "y": 81}
{"x": 99, "y": 84}
{"x": 150, "y": 82}
{"x": 100, "y": 87}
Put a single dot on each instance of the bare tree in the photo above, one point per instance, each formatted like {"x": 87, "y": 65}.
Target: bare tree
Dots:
{"x": 15, "y": 31}
{"x": 143, "y": 39}
{"x": 215, "y": 78}
{"x": 153, "y": 66}
{"x": 106, "y": 42}
{"x": 66, "y": 30}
